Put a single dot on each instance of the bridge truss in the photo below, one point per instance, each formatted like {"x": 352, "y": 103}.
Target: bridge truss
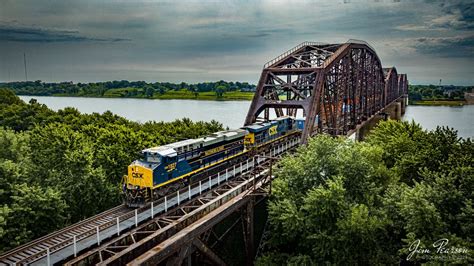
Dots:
{"x": 336, "y": 86}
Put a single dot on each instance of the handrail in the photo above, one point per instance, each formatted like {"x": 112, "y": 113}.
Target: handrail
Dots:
{"x": 360, "y": 42}
{"x": 292, "y": 50}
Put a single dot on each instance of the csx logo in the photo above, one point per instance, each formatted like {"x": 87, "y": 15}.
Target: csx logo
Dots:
{"x": 137, "y": 175}
{"x": 272, "y": 131}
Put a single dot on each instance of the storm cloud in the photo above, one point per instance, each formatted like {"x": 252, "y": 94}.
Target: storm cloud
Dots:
{"x": 13, "y": 32}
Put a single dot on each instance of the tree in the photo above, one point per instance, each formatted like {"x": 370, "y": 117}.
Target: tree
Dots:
{"x": 149, "y": 91}
{"x": 34, "y": 212}
{"x": 7, "y": 97}
{"x": 220, "y": 91}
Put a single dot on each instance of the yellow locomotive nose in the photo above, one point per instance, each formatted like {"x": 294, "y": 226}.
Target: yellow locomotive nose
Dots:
{"x": 140, "y": 176}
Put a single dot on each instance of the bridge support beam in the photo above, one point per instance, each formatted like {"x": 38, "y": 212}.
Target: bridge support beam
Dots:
{"x": 248, "y": 230}
{"x": 208, "y": 252}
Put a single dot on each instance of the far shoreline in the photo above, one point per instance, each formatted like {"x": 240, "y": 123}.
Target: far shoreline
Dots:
{"x": 215, "y": 99}
{"x": 453, "y": 103}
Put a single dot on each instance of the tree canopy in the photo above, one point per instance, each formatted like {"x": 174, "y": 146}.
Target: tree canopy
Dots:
{"x": 432, "y": 92}
{"x": 341, "y": 202}
{"x": 124, "y": 88}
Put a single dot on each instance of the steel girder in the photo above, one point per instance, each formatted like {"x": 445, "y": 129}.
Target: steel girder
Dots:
{"x": 337, "y": 87}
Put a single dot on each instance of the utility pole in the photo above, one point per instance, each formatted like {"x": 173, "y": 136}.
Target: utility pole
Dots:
{"x": 24, "y": 61}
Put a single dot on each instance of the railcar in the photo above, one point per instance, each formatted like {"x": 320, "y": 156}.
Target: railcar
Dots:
{"x": 166, "y": 168}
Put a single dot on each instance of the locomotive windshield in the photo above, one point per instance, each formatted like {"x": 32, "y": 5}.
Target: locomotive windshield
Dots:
{"x": 152, "y": 157}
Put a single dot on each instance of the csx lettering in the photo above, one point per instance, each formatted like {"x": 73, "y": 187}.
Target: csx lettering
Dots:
{"x": 137, "y": 175}
{"x": 211, "y": 151}
{"x": 170, "y": 166}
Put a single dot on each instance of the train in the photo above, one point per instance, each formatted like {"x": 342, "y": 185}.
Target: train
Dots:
{"x": 164, "y": 169}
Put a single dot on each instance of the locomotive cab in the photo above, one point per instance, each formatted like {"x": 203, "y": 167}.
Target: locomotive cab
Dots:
{"x": 158, "y": 165}
{"x": 140, "y": 177}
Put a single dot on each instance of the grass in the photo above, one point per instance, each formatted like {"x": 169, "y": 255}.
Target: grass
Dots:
{"x": 185, "y": 94}
{"x": 169, "y": 95}
{"x": 121, "y": 92}
{"x": 439, "y": 102}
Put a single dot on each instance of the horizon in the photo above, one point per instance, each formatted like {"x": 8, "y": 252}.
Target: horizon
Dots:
{"x": 193, "y": 83}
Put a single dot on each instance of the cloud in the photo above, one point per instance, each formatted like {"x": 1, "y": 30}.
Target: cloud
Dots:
{"x": 14, "y": 32}
{"x": 456, "y": 46}
{"x": 462, "y": 13}
{"x": 442, "y": 15}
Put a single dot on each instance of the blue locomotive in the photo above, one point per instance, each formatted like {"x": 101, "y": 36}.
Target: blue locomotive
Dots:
{"x": 166, "y": 168}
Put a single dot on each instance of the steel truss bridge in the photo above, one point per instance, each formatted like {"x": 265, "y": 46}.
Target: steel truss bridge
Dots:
{"x": 337, "y": 88}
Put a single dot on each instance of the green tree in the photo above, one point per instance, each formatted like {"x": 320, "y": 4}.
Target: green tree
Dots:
{"x": 33, "y": 212}
{"x": 329, "y": 194}
{"x": 220, "y": 90}
{"x": 149, "y": 91}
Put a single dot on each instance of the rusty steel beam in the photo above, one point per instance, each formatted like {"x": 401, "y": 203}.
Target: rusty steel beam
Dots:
{"x": 248, "y": 229}
{"x": 208, "y": 252}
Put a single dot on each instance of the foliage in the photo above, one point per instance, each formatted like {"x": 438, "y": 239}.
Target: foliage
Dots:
{"x": 57, "y": 168}
{"x": 137, "y": 89}
{"x": 436, "y": 93}
{"x": 340, "y": 202}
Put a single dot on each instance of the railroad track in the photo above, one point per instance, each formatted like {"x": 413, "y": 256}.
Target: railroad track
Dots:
{"x": 39, "y": 247}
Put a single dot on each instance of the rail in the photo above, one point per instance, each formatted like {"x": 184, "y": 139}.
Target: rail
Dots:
{"x": 49, "y": 243}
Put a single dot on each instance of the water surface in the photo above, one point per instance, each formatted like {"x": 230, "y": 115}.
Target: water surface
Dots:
{"x": 232, "y": 113}
{"x": 229, "y": 113}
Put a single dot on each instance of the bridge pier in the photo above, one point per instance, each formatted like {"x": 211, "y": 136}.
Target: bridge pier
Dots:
{"x": 394, "y": 111}
{"x": 404, "y": 102}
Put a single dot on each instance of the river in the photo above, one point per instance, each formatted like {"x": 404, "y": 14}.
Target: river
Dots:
{"x": 232, "y": 113}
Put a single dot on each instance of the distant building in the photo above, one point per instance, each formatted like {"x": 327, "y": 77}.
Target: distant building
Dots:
{"x": 469, "y": 97}
{"x": 448, "y": 90}
{"x": 248, "y": 89}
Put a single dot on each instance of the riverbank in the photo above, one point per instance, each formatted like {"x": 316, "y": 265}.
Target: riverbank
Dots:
{"x": 438, "y": 103}
{"x": 170, "y": 95}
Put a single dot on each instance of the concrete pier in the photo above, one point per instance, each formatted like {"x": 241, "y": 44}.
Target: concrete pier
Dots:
{"x": 394, "y": 111}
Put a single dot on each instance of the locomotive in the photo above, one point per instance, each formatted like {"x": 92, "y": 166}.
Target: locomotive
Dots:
{"x": 166, "y": 168}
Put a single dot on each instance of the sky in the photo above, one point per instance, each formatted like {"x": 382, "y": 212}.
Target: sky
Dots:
{"x": 196, "y": 41}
